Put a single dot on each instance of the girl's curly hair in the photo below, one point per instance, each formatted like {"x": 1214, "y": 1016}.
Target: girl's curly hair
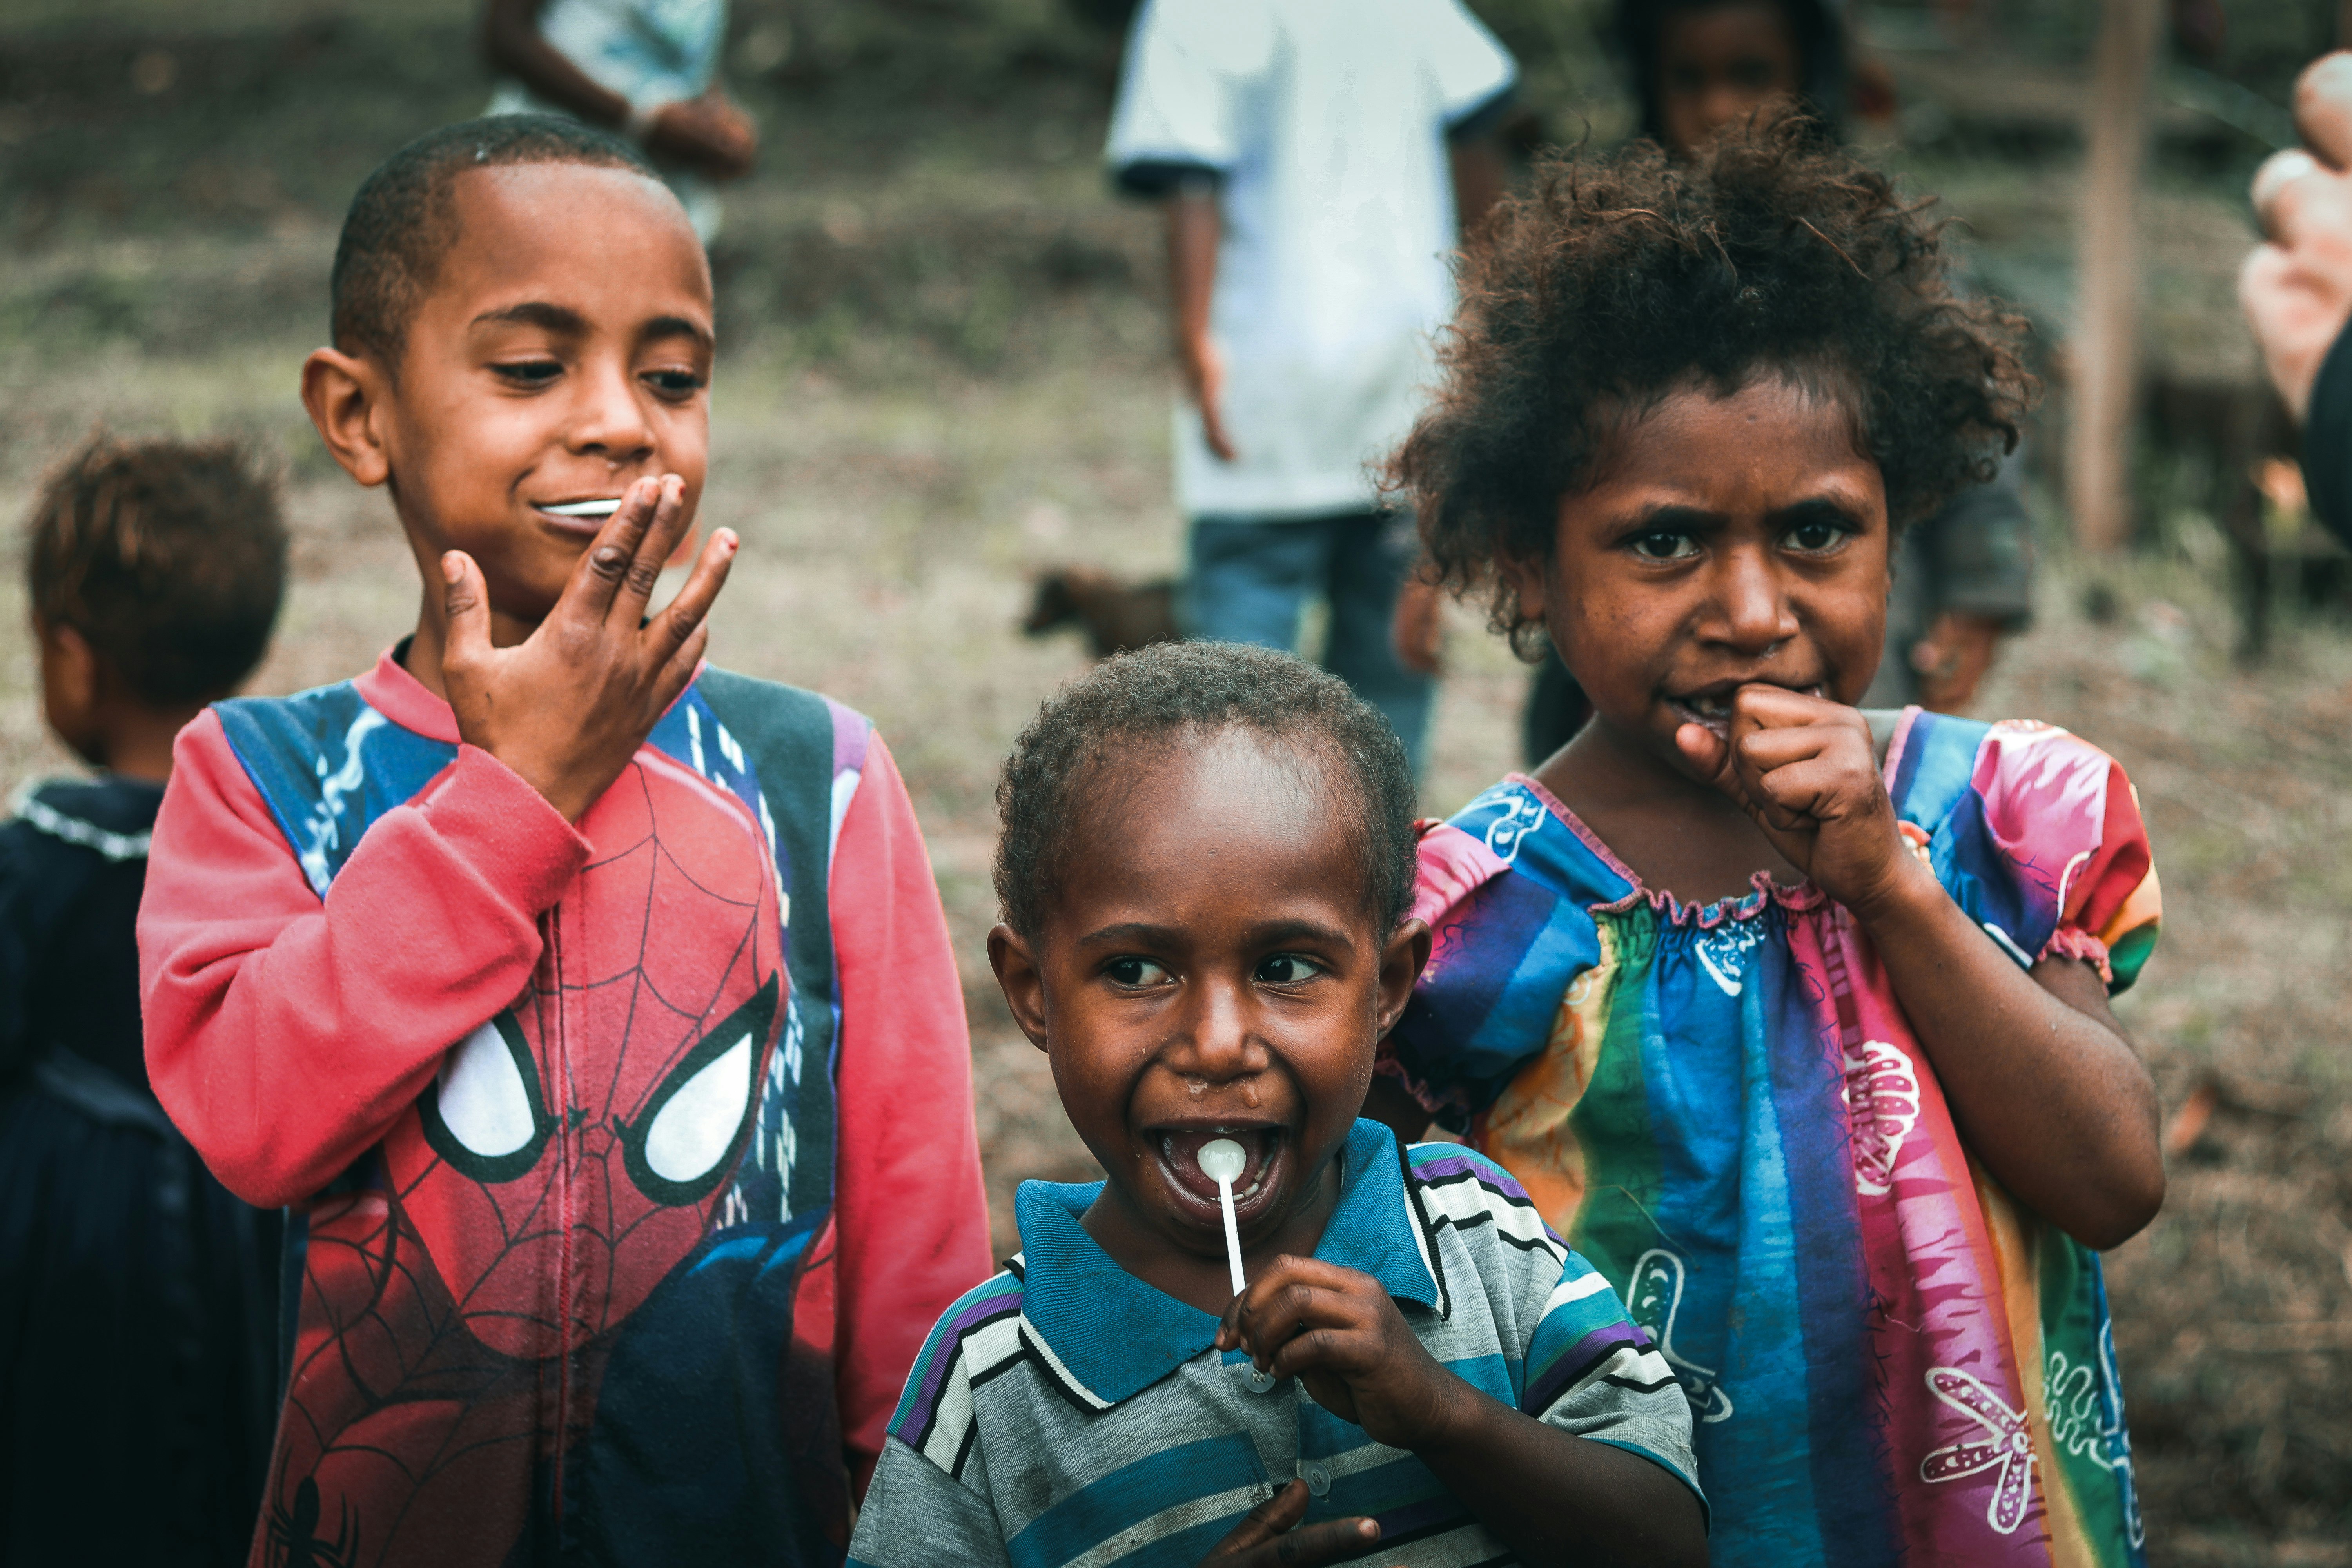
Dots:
{"x": 1621, "y": 279}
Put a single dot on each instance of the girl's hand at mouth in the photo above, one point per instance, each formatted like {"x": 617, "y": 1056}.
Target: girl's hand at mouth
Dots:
{"x": 1340, "y": 1335}
{"x": 1805, "y": 769}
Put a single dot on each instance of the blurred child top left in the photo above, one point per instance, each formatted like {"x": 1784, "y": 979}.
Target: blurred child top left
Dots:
{"x": 136, "y": 1313}
{"x": 647, "y": 69}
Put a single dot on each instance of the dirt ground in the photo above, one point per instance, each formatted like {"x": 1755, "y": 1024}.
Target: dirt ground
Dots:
{"x": 942, "y": 369}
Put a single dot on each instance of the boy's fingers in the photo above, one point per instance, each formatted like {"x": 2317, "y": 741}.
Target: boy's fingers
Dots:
{"x": 1264, "y": 1522}
{"x": 605, "y": 562}
{"x": 1333, "y": 1541}
{"x": 1318, "y": 1349}
{"x": 467, "y": 603}
{"x": 684, "y": 613}
{"x": 680, "y": 671}
{"x": 661, "y": 535}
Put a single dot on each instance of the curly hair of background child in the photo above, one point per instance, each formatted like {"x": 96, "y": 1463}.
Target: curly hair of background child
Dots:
{"x": 1793, "y": 1019}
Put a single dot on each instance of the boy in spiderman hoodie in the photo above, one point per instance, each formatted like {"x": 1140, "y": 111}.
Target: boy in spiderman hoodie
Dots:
{"x": 590, "y": 1009}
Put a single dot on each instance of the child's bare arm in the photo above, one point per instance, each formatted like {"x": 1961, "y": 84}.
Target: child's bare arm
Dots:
{"x": 1549, "y": 1495}
{"x": 1194, "y": 228}
{"x": 569, "y": 706}
{"x": 2046, "y": 1086}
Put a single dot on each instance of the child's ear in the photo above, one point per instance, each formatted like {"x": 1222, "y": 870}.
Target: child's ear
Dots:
{"x": 1022, "y": 983}
{"x": 1525, "y": 577}
{"x": 1402, "y": 958}
{"x": 345, "y": 396}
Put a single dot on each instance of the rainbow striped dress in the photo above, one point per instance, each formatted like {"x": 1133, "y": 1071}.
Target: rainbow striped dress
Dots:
{"x": 1725, "y": 1109}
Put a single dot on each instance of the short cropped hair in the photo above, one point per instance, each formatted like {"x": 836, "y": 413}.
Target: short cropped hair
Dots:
{"x": 168, "y": 558}
{"x": 1173, "y": 696}
{"x": 1621, "y": 279}
{"x": 404, "y": 221}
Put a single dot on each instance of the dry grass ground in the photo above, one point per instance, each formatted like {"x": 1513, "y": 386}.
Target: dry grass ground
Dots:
{"x": 943, "y": 371}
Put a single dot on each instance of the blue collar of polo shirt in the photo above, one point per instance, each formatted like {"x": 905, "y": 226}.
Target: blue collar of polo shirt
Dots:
{"x": 1117, "y": 1336}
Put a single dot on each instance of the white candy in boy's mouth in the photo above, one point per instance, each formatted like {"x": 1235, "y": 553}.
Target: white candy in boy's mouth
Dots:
{"x": 1180, "y": 1151}
{"x": 605, "y": 508}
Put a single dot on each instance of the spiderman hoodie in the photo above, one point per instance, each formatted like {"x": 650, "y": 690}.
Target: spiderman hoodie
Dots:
{"x": 628, "y": 1165}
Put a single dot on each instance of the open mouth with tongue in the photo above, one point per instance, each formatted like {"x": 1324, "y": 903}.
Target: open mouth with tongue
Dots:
{"x": 1263, "y": 1167}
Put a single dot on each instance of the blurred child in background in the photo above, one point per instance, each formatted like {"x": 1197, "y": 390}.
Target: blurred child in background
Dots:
{"x": 646, "y": 68}
{"x": 137, "y": 1323}
{"x": 1317, "y": 162}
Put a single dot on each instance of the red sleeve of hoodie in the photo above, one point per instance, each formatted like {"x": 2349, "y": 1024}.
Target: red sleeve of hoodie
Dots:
{"x": 286, "y": 1035}
{"x": 911, "y": 1217}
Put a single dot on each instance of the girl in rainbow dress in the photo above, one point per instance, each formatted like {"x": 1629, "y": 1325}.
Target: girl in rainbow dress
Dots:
{"x": 1792, "y": 1018}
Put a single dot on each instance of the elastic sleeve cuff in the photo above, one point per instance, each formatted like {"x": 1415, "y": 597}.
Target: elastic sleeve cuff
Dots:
{"x": 2068, "y": 942}
{"x": 1155, "y": 178}
{"x": 507, "y": 828}
{"x": 1483, "y": 118}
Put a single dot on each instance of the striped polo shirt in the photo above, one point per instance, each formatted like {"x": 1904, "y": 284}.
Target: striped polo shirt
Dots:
{"x": 1066, "y": 1412}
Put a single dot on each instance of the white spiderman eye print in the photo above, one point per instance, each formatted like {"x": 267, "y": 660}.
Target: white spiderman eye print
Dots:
{"x": 2003, "y": 1446}
{"x": 1882, "y": 1101}
{"x": 1652, "y": 1298}
{"x": 690, "y": 1133}
{"x": 484, "y": 1111}
{"x": 699, "y": 1116}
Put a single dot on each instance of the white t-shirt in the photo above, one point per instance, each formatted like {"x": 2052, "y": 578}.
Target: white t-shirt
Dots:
{"x": 1326, "y": 122}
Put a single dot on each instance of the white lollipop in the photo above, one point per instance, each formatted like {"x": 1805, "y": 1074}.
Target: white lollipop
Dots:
{"x": 1222, "y": 1160}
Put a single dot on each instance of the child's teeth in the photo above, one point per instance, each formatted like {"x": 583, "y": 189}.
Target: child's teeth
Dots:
{"x": 583, "y": 509}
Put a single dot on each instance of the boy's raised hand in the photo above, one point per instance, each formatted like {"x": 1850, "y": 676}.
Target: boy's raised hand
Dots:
{"x": 1268, "y": 1536}
{"x": 569, "y": 706}
{"x": 1805, "y": 770}
{"x": 1339, "y": 1334}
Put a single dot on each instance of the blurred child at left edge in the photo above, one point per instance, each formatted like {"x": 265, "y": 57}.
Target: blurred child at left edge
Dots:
{"x": 136, "y": 1340}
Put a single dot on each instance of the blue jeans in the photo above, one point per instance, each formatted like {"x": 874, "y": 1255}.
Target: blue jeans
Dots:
{"x": 1251, "y": 579}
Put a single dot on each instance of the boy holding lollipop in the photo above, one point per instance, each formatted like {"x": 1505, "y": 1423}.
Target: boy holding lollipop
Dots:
{"x": 1206, "y": 870}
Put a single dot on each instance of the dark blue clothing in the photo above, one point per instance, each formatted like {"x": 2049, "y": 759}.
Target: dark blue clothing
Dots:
{"x": 2328, "y": 441}
{"x": 136, "y": 1359}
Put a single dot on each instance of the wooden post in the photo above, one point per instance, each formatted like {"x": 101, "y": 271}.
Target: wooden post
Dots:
{"x": 2106, "y": 357}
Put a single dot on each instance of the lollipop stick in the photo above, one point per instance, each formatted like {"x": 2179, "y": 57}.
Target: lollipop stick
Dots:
{"x": 1222, "y": 1160}
{"x": 1232, "y": 1235}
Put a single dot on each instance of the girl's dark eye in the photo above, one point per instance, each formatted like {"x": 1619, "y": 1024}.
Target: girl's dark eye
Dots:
{"x": 1818, "y": 534}
{"x": 1285, "y": 969}
{"x": 675, "y": 383}
{"x": 529, "y": 373}
{"x": 1135, "y": 972}
{"x": 1663, "y": 546}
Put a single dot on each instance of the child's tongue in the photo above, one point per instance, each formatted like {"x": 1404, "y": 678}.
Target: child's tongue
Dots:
{"x": 1182, "y": 1152}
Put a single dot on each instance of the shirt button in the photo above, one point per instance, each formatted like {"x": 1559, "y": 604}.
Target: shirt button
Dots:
{"x": 1319, "y": 1479}
{"x": 1260, "y": 1382}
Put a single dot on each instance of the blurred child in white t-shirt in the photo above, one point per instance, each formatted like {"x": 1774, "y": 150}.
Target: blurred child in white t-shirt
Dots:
{"x": 1318, "y": 160}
